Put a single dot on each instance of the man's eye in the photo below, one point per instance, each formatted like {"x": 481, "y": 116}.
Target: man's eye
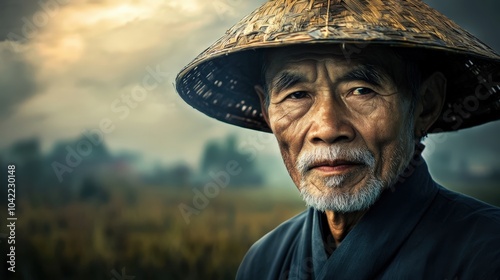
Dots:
{"x": 362, "y": 91}
{"x": 297, "y": 95}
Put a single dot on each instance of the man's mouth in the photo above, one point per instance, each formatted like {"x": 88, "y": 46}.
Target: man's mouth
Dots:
{"x": 334, "y": 166}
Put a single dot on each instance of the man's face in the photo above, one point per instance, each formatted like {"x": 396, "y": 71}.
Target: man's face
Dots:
{"x": 344, "y": 127}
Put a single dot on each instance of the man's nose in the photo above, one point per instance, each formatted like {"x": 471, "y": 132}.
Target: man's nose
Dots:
{"x": 330, "y": 122}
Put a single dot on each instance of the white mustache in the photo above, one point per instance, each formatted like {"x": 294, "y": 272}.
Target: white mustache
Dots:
{"x": 320, "y": 154}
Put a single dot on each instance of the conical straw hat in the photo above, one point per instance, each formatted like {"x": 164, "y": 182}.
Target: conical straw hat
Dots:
{"x": 220, "y": 81}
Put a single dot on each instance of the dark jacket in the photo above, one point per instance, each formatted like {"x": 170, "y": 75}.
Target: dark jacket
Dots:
{"x": 416, "y": 230}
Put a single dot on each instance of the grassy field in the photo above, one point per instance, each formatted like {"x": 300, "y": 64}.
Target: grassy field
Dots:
{"x": 142, "y": 232}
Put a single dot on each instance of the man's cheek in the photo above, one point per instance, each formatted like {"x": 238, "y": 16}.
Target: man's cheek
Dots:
{"x": 283, "y": 116}
{"x": 381, "y": 126}
{"x": 289, "y": 161}
{"x": 367, "y": 107}
{"x": 289, "y": 153}
{"x": 287, "y": 125}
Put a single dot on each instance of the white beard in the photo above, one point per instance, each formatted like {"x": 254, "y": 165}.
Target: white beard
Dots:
{"x": 344, "y": 202}
{"x": 332, "y": 197}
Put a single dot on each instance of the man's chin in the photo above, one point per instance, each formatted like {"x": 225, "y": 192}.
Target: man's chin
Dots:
{"x": 341, "y": 199}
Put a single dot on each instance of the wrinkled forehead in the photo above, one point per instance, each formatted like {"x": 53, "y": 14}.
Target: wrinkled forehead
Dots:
{"x": 297, "y": 57}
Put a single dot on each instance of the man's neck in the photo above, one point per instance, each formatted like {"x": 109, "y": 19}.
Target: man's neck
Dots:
{"x": 340, "y": 224}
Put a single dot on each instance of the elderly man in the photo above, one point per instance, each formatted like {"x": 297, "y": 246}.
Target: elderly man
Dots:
{"x": 349, "y": 89}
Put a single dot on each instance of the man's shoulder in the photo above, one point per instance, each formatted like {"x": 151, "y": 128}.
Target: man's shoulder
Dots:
{"x": 459, "y": 208}
{"x": 282, "y": 235}
{"x": 274, "y": 247}
{"x": 466, "y": 222}
{"x": 287, "y": 229}
{"x": 466, "y": 231}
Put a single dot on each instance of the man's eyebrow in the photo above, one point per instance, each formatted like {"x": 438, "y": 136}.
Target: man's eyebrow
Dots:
{"x": 285, "y": 80}
{"x": 367, "y": 73}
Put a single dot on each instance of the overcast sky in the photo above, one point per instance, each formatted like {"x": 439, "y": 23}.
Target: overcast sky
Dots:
{"x": 66, "y": 65}
{"x": 75, "y": 62}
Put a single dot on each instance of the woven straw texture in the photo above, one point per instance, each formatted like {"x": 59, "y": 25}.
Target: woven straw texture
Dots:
{"x": 220, "y": 81}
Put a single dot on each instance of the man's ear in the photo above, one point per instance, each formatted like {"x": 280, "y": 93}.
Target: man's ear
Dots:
{"x": 263, "y": 106}
{"x": 430, "y": 102}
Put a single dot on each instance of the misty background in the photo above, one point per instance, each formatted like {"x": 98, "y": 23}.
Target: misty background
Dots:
{"x": 67, "y": 66}
{"x": 109, "y": 177}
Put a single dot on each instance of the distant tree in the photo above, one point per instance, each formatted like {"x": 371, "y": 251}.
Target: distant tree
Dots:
{"x": 212, "y": 157}
{"x": 217, "y": 154}
{"x": 92, "y": 190}
{"x": 27, "y": 157}
{"x": 180, "y": 175}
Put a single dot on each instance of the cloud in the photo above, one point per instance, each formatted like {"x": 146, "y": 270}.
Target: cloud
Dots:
{"x": 12, "y": 13}
{"x": 88, "y": 54}
{"x": 16, "y": 80}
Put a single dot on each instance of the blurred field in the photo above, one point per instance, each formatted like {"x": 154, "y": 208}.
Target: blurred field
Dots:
{"x": 122, "y": 231}
{"x": 142, "y": 231}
